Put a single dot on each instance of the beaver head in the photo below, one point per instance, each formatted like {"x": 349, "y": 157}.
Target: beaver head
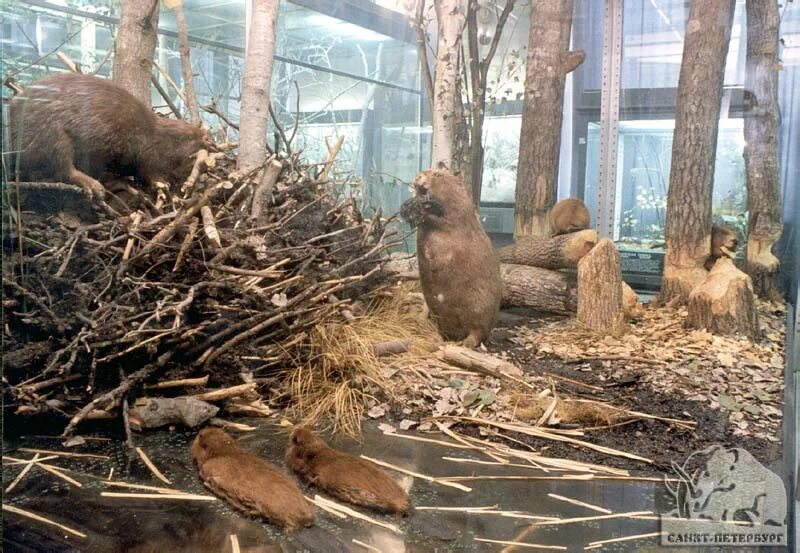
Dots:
{"x": 306, "y": 444}
{"x": 212, "y": 442}
{"x": 439, "y": 198}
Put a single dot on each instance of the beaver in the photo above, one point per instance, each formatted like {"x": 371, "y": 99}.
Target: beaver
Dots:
{"x": 344, "y": 476}
{"x": 248, "y": 482}
{"x": 724, "y": 242}
{"x": 459, "y": 270}
{"x": 82, "y": 129}
{"x": 569, "y": 215}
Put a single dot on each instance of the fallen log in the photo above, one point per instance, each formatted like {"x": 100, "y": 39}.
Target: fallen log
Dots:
{"x": 724, "y": 303}
{"x": 600, "y": 290}
{"x": 550, "y": 252}
{"x": 478, "y": 362}
{"x": 537, "y": 288}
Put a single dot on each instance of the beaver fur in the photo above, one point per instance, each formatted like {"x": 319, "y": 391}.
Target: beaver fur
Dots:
{"x": 459, "y": 269}
{"x": 344, "y": 476}
{"x": 80, "y": 129}
{"x": 569, "y": 215}
{"x": 248, "y": 482}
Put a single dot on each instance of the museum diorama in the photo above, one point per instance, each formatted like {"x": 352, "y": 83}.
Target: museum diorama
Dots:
{"x": 399, "y": 275}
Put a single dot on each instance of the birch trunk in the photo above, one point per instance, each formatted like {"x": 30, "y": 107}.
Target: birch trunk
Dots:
{"x": 135, "y": 46}
{"x": 256, "y": 85}
{"x": 186, "y": 66}
{"x": 694, "y": 146}
{"x": 548, "y": 63}
{"x": 761, "y": 144}
{"x": 450, "y": 16}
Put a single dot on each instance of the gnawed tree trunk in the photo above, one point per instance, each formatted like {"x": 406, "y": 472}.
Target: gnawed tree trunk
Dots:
{"x": 761, "y": 144}
{"x": 600, "y": 305}
{"x": 135, "y": 46}
{"x": 724, "y": 303}
{"x": 256, "y": 85}
{"x": 688, "y": 228}
{"x": 540, "y": 138}
{"x": 540, "y": 289}
{"x": 186, "y": 64}
{"x": 447, "y": 108}
{"x": 550, "y": 252}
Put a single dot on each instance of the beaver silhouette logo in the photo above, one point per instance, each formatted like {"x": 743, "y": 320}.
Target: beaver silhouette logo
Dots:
{"x": 724, "y": 496}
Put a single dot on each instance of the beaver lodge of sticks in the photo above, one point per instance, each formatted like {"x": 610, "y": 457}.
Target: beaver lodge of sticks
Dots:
{"x": 225, "y": 277}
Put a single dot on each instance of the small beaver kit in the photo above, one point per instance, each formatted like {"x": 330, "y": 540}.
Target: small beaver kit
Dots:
{"x": 81, "y": 129}
{"x": 248, "y": 482}
{"x": 344, "y": 476}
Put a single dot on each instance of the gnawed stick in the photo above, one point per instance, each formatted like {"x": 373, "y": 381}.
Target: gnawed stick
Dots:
{"x": 146, "y": 460}
{"x": 597, "y": 544}
{"x": 40, "y": 518}
{"x": 135, "y": 220}
{"x": 579, "y": 503}
{"x": 263, "y": 191}
{"x": 63, "y": 453}
{"x": 25, "y": 470}
{"x": 230, "y": 425}
{"x": 523, "y": 544}
{"x": 180, "y": 383}
{"x": 198, "y": 169}
{"x": 333, "y": 151}
{"x": 319, "y": 500}
{"x": 210, "y": 227}
{"x": 179, "y": 496}
{"x": 225, "y": 393}
{"x": 187, "y": 241}
{"x": 425, "y": 477}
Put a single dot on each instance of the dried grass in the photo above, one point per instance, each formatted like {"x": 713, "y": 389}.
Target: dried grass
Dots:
{"x": 341, "y": 372}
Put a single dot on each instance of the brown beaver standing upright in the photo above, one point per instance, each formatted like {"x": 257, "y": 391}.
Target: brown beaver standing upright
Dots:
{"x": 458, "y": 268}
{"x": 724, "y": 242}
{"x": 569, "y": 215}
{"x": 78, "y": 129}
{"x": 344, "y": 476}
{"x": 249, "y": 482}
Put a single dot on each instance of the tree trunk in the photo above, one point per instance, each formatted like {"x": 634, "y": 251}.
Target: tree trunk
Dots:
{"x": 256, "y": 85}
{"x": 135, "y": 46}
{"x": 539, "y": 289}
{"x": 186, "y": 66}
{"x": 600, "y": 296}
{"x": 556, "y": 252}
{"x": 688, "y": 228}
{"x": 724, "y": 303}
{"x": 450, "y": 16}
{"x": 761, "y": 144}
{"x": 540, "y": 138}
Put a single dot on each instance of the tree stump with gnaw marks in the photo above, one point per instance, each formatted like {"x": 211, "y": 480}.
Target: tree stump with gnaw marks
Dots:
{"x": 550, "y": 252}
{"x": 724, "y": 303}
{"x": 600, "y": 297}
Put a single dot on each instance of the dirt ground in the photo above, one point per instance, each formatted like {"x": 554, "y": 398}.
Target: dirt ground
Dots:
{"x": 623, "y": 386}
{"x": 728, "y": 391}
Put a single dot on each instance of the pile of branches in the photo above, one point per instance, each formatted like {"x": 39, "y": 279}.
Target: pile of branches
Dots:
{"x": 221, "y": 277}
